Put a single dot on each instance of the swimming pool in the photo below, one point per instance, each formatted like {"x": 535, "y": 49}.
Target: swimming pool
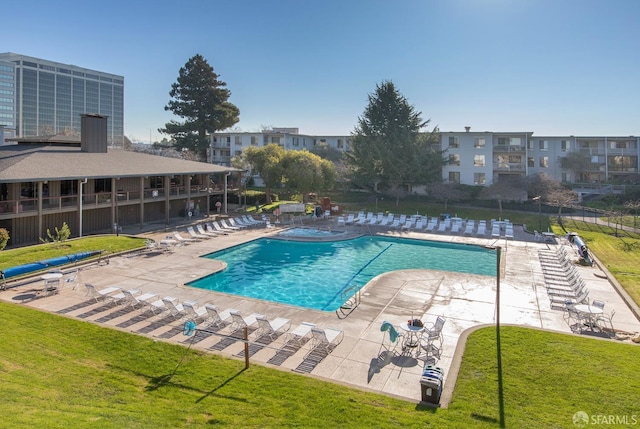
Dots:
{"x": 314, "y": 274}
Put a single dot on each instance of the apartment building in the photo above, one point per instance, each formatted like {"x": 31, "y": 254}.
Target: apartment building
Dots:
{"x": 482, "y": 158}
{"x": 40, "y": 97}
{"x": 226, "y": 145}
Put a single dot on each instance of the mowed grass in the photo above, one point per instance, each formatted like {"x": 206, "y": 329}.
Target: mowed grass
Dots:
{"x": 110, "y": 243}
{"x": 619, "y": 253}
{"x": 61, "y": 372}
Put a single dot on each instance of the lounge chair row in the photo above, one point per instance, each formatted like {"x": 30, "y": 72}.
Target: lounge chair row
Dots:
{"x": 215, "y": 228}
{"x": 563, "y": 282}
{"x": 502, "y": 229}
{"x": 209, "y": 317}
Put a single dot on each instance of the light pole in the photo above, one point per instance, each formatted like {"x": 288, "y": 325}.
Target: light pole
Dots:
{"x": 539, "y": 200}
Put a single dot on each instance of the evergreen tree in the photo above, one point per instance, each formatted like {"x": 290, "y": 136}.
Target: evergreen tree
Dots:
{"x": 388, "y": 145}
{"x": 200, "y": 98}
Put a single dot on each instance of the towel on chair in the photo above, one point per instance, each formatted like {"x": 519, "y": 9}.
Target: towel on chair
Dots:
{"x": 393, "y": 334}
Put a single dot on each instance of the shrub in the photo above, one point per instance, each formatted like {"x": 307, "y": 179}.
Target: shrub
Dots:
{"x": 4, "y": 238}
{"x": 60, "y": 236}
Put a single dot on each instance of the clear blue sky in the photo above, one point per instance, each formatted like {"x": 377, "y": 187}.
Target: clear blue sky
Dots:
{"x": 555, "y": 67}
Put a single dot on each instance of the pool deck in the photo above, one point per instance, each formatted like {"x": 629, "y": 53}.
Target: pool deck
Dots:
{"x": 464, "y": 300}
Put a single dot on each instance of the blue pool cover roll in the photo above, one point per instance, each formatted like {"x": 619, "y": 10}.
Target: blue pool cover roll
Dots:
{"x": 43, "y": 265}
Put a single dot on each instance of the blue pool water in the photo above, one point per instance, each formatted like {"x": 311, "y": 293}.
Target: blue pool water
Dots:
{"x": 309, "y": 232}
{"x": 314, "y": 274}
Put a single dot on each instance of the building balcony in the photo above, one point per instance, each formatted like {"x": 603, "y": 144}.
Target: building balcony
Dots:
{"x": 515, "y": 167}
{"x": 509, "y": 148}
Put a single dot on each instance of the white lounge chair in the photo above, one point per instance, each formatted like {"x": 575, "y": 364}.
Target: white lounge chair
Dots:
{"x": 326, "y": 339}
{"x": 132, "y": 299}
{"x": 350, "y": 219}
{"x": 175, "y": 309}
{"x": 194, "y": 312}
{"x": 225, "y": 225}
{"x": 195, "y": 235}
{"x": 399, "y": 222}
{"x": 273, "y": 328}
{"x": 468, "y": 230}
{"x": 232, "y": 222}
{"x": 184, "y": 240}
{"x": 341, "y": 221}
{"x": 300, "y": 334}
{"x": 202, "y": 231}
{"x": 215, "y": 229}
{"x": 218, "y": 319}
{"x": 100, "y": 294}
{"x": 218, "y": 227}
{"x": 240, "y": 322}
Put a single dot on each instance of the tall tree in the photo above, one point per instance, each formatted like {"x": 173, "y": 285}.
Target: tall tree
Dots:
{"x": 201, "y": 99}
{"x": 267, "y": 162}
{"x": 388, "y": 145}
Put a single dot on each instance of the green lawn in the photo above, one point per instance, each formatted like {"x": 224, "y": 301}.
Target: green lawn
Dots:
{"x": 109, "y": 243}
{"x": 619, "y": 253}
{"x": 61, "y": 372}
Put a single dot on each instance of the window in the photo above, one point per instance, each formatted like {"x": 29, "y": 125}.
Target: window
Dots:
{"x": 102, "y": 185}
{"x": 544, "y": 161}
{"x": 275, "y": 140}
{"x": 296, "y": 141}
{"x": 529, "y": 144}
{"x": 564, "y": 145}
{"x": 531, "y": 162}
{"x": 454, "y": 176}
{"x": 254, "y": 141}
{"x": 479, "y": 179}
{"x": 479, "y": 142}
{"x": 543, "y": 145}
{"x": 340, "y": 144}
{"x": 454, "y": 159}
{"x": 238, "y": 140}
{"x": 478, "y": 160}
{"x": 155, "y": 182}
{"x": 68, "y": 187}
{"x": 453, "y": 141}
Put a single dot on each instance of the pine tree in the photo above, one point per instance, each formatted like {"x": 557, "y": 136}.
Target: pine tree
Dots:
{"x": 388, "y": 145}
{"x": 201, "y": 99}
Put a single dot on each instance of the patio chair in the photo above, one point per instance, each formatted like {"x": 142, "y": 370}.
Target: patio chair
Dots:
{"x": 300, "y": 334}
{"x": 391, "y": 339}
{"x": 176, "y": 310}
{"x": 239, "y": 322}
{"x": 195, "y": 235}
{"x": 349, "y": 220}
{"x": 326, "y": 339}
{"x": 156, "y": 307}
{"x": 607, "y": 319}
{"x": 274, "y": 328}
{"x": 573, "y": 317}
{"x": 192, "y": 311}
{"x": 216, "y": 229}
{"x": 184, "y": 240}
{"x": 234, "y": 223}
{"x": 435, "y": 331}
{"x": 226, "y": 225}
{"x": 137, "y": 301}
{"x": 341, "y": 221}
{"x": 218, "y": 319}
{"x": 202, "y": 231}
{"x": 100, "y": 294}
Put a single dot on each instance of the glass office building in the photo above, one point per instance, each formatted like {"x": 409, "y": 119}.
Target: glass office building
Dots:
{"x": 49, "y": 97}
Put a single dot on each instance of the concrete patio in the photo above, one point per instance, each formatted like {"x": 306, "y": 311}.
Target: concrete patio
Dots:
{"x": 464, "y": 300}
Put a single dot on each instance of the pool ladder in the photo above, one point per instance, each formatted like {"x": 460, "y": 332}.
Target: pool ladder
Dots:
{"x": 351, "y": 303}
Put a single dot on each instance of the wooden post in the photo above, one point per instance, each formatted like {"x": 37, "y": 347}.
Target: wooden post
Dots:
{"x": 246, "y": 347}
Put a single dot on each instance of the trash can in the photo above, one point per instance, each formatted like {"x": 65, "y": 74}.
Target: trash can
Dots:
{"x": 431, "y": 384}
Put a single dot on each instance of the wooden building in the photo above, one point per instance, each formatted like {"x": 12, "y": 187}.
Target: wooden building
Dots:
{"x": 45, "y": 182}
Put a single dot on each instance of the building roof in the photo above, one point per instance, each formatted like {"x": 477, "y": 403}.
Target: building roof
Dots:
{"x": 31, "y": 163}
